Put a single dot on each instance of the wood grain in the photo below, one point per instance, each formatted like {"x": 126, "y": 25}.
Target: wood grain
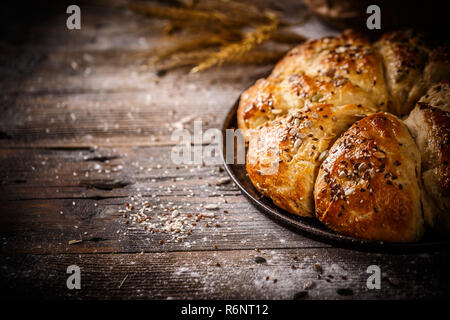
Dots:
{"x": 86, "y": 126}
{"x": 229, "y": 275}
{"x": 90, "y": 187}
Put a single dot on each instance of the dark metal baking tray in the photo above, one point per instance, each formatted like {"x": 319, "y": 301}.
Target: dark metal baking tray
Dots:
{"x": 309, "y": 226}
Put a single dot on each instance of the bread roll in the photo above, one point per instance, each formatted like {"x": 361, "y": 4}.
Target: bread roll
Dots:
{"x": 368, "y": 186}
{"x": 411, "y": 66}
{"x": 405, "y": 56}
{"x": 338, "y": 71}
{"x": 284, "y": 155}
{"x": 429, "y": 123}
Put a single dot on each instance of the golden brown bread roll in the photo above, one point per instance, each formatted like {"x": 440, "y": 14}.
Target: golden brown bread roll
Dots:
{"x": 410, "y": 68}
{"x": 284, "y": 155}
{"x": 395, "y": 71}
{"x": 338, "y": 71}
{"x": 429, "y": 123}
{"x": 404, "y": 55}
{"x": 368, "y": 187}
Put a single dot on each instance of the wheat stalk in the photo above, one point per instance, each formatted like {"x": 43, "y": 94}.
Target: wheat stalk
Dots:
{"x": 235, "y": 50}
{"x": 208, "y": 40}
{"x": 195, "y": 57}
{"x": 184, "y": 59}
{"x": 216, "y": 23}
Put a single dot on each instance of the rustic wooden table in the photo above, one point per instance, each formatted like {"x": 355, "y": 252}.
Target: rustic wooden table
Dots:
{"x": 85, "y": 128}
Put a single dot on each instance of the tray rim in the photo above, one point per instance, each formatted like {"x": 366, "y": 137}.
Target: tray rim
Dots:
{"x": 298, "y": 224}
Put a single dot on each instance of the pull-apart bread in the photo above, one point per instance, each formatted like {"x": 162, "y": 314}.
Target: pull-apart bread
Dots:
{"x": 326, "y": 139}
{"x": 368, "y": 186}
{"x": 336, "y": 71}
{"x": 429, "y": 123}
{"x": 284, "y": 155}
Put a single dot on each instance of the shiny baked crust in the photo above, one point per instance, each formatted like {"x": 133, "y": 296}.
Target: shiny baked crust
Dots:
{"x": 348, "y": 69}
{"x": 336, "y": 74}
{"x": 404, "y": 55}
{"x": 411, "y": 66}
{"x": 429, "y": 123}
{"x": 284, "y": 155}
{"x": 368, "y": 186}
{"x": 338, "y": 71}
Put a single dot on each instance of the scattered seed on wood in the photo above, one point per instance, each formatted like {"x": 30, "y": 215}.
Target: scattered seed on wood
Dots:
{"x": 318, "y": 268}
{"x": 260, "y": 259}
{"x": 309, "y": 285}
{"x": 222, "y": 181}
{"x": 123, "y": 281}
{"x": 75, "y": 241}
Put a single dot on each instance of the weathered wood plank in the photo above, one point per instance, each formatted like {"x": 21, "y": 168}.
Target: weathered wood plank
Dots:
{"x": 48, "y": 173}
{"x": 37, "y": 226}
{"x": 85, "y": 127}
{"x": 93, "y": 89}
{"x": 91, "y": 187}
{"x": 84, "y": 87}
{"x": 228, "y": 275}
{"x": 119, "y": 105}
{"x": 111, "y": 119}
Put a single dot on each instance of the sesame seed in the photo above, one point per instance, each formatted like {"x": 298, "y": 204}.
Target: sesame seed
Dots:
{"x": 379, "y": 155}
